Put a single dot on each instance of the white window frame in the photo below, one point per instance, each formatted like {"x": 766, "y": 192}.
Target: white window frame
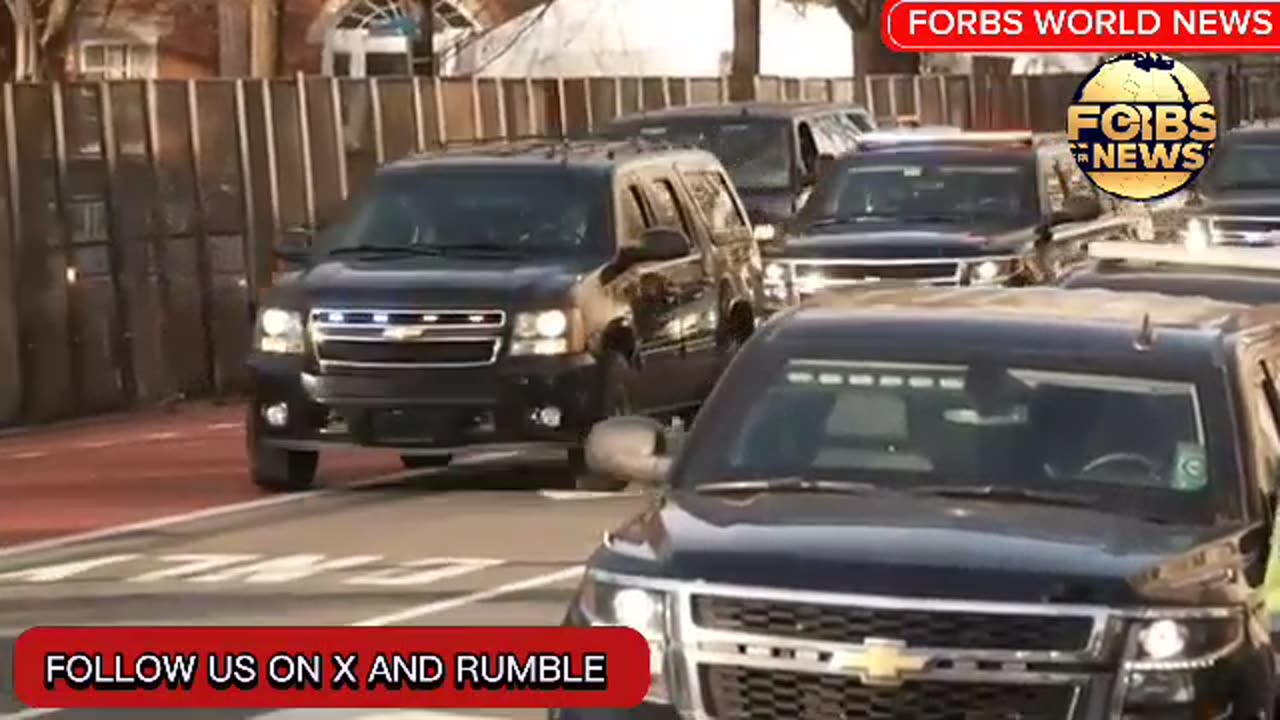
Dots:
{"x": 133, "y": 69}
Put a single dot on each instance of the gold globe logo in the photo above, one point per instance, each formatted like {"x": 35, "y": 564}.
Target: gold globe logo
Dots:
{"x": 1141, "y": 126}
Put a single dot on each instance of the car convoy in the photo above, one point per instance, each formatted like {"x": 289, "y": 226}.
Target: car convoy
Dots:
{"x": 964, "y": 449}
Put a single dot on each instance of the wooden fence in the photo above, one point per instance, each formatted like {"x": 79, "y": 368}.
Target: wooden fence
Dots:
{"x": 137, "y": 218}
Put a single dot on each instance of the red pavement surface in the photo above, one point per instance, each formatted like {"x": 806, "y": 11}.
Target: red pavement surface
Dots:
{"x": 121, "y": 470}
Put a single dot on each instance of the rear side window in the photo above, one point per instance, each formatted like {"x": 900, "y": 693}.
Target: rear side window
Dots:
{"x": 634, "y": 220}
{"x": 711, "y": 192}
{"x": 667, "y": 211}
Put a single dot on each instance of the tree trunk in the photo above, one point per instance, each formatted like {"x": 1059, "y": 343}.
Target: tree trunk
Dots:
{"x": 746, "y": 49}
{"x": 872, "y": 57}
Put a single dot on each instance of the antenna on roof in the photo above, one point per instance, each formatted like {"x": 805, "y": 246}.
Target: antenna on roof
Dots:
{"x": 1146, "y": 334}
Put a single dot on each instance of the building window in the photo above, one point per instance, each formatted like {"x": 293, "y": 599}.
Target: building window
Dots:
{"x": 117, "y": 60}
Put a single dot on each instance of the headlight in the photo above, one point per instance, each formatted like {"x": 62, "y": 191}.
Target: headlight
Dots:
{"x": 1196, "y": 235}
{"x": 810, "y": 283}
{"x": 775, "y": 273}
{"x": 765, "y": 232}
{"x": 280, "y": 331}
{"x": 987, "y": 271}
{"x": 548, "y": 332}
{"x": 1182, "y": 644}
{"x": 643, "y": 609}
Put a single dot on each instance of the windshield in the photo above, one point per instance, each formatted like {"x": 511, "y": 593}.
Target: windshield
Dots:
{"x": 1126, "y": 444}
{"x": 942, "y": 191}
{"x": 1241, "y": 166}
{"x": 555, "y": 212}
{"x": 756, "y": 153}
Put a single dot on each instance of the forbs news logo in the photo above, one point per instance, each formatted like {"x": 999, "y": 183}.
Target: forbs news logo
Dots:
{"x": 1141, "y": 126}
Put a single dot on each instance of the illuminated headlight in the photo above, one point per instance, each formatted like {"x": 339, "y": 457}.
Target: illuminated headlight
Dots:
{"x": 1182, "y": 644}
{"x": 280, "y": 331}
{"x": 775, "y": 273}
{"x": 1196, "y": 235}
{"x": 988, "y": 270}
{"x": 549, "y": 332}
{"x": 765, "y": 232}
{"x": 642, "y": 609}
{"x": 810, "y": 283}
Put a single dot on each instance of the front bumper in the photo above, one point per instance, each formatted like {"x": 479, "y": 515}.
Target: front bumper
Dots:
{"x": 510, "y": 404}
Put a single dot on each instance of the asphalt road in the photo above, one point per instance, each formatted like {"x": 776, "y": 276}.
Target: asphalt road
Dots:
{"x": 496, "y": 540}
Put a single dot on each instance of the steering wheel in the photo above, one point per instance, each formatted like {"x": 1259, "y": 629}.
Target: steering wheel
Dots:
{"x": 1150, "y": 466}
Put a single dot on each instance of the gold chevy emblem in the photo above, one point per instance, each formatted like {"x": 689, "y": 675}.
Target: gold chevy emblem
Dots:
{"x": 402, "y": 333}
{"x": 880, "y": 661}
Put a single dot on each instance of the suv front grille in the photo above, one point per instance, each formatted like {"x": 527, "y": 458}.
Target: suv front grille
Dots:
{"x": 917, "y": 628}
{"x": 1230, "y": 230}
{"x": 857, "y": 271}
{"x": 740, "y": 693}
{"x": 405, "y": 338}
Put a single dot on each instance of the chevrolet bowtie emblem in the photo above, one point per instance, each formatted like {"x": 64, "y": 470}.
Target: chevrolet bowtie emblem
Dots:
{"x": 402, "y": 333}
{"x": 880, "y": 661}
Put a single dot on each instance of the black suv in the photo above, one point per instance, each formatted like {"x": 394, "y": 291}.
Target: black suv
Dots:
{"x": 503, "y": 296}
{"x": 1236, "y": 199}
{"x": 953, "y": 209}
{"x": 771, "y": 150}
{"x": 934, "y": 503}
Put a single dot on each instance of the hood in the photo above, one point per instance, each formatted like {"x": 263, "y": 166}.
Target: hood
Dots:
{"x": 437, "y": 281}
{"x": 1238, "y": 202}
{"x": 768, "y": 206}
{"x": 921, "y": 241}
{"x": 921, "y": 547}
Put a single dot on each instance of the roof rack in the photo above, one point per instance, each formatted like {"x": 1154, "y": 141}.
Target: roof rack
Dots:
{"x": 1234, "y": 258}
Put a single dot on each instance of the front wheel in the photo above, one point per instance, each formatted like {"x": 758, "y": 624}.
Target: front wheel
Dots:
{"x": 614, "y": 401}
{"x": 278, "y": 470}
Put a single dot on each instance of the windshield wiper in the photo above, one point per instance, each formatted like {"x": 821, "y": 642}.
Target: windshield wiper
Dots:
{"x": 482, "y": 247}
{"x": 374, "y": 248}
{"x": 932, "y": 218}
{"x": 1009, "y": 493}
{"x": 847, "y": 219}
{"x": 793, "y": 484}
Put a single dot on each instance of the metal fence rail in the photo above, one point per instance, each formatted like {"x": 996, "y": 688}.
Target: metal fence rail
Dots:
{"x": 137, "y": 218}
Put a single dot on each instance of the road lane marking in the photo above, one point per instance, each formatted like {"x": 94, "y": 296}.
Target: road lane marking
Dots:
{"x": 224, "y": 426}
{"x": 427, "y": 570}
{"x": 587, "y": 494}
{"x": 29, "y": 713}
{"x": 417, "y": 611}
{"x": 62, "y": 571}
{"x": 286, "y": 569}
{"x": 97, "y": 444}
{"x": 192, "y": 564}
{"x": 30, "y": 455}
{"x": 160, "y": 436}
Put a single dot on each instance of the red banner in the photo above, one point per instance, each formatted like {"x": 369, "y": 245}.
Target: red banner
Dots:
{"x": 1167, "y": 26}
{"x": 261, "y": 668}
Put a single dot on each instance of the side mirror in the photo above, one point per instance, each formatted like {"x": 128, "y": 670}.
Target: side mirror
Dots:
{"x": 657, "y": 245}
{"x": 630, "y": 448}
{"x": 1077, "y": 208}
{"x": 823, "y": 165}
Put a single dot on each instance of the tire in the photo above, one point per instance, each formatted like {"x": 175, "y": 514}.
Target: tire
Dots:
{"x": 277, "y": 470}
{"x": 423, "y": 462}
{"x": 614, "y": 401}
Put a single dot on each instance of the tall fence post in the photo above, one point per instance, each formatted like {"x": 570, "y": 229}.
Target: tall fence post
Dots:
{"x": 304, "y": 139}
{"x": 255, "y": 274}
{"x": 379, "y": 137}
{"x": 157, "y": 236}
{"x": 21, "y": 355}
{"x": 273, "y": 169}
{"x": 442, "y": 118}
{"x": 419, "y": 132}
{"x": 204, "y": 268}
{"x": 339, "y": 136}
{"x": 563, "y": 107}
{"x": 62, "y": 192}
{"x": 123, "y": 338}
{"x": 501, "y": 90}
{"x": 477, "y": 111}
{"x": 531, "y": 109}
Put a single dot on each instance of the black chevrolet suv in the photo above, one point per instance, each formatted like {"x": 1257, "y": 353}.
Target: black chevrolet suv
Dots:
{"x": 503, "y": 296}
{"x": 773, "y": 151}
{"x": 955, "y": 209}
{"x": 1236, "y": 199}
{"x": 940, "y": 504}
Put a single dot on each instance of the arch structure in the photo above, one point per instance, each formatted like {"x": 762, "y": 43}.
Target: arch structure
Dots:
{"x": 372, "y": 37}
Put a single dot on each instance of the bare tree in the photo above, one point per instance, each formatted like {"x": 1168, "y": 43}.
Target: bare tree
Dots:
{"x": 870, "y": 56}
{"x": 39, "y": 36}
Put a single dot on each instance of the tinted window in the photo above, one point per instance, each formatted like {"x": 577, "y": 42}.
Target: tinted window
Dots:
{"x": 666, "y": 207}
{"x": 863, "y": 121}
{"x": 1242, "y": 164}
{"x": 756, "y": 152}
{"x": 711, "y": 191}
{"x": 1123, "y": 444}
{"x": 554, "y": 211}
{"x": 634, "y": 222}
{"x": 925, "y": 189}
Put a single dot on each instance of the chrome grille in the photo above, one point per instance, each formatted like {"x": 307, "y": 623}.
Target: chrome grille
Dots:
{"x": 736, "y": 693}
{"x": 404, "y": 338}
{"x": 852, "y": 624}
{"x": 738, "y": 654}
{"x": 1245, "y": 230}
{"x": 843, "y": 273}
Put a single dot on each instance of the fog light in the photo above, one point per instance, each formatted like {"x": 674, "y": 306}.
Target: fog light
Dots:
{"x": 549, "y": 416}
{"x": 276, "y": 415}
